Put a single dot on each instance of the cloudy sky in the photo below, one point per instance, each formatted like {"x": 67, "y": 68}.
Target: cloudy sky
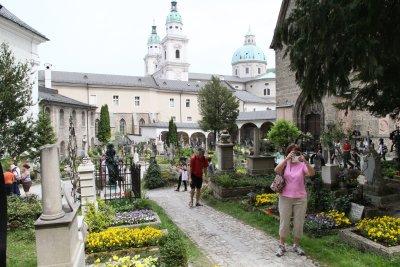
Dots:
{"x": 110, "y": 36}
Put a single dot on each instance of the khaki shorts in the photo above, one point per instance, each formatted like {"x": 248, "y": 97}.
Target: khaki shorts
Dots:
{"x": 288, "y": 207}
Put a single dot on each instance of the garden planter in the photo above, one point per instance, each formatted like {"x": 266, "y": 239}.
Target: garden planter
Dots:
{"x": 104, "y": 256}
{"x": 349, "y": 236}
{"x": 236, "y": 192}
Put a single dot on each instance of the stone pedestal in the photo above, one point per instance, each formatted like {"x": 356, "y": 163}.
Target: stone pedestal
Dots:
{"x": 260, "y": 164}
{"x": 58, "y": 243}
{"x": 87, "y": 183}
{"x": 225, "y": 156}
{"x": 329, "y": 174}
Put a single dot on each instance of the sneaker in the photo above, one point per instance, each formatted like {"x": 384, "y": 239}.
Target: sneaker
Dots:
{"x": 190, "y": 204}
{"x": 177, "y": 190}
{"x": 298, "y": 250}
{"x": 199, "y": 205}
{"x": 281, "y": 251}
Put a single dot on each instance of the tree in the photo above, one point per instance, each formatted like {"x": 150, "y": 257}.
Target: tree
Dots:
{"x": 346, "y": 48}
{"x": 218, "y": 107}
{"x": 283, "y": 133}
{"x": 104, "y": 133}
{"x": 172, "y": 135}
{"x": 44, "y": 132}
{"x": 153, "y": 178}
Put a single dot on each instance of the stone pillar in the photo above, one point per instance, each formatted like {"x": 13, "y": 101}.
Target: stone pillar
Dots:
{"x": 256, "y": 141}
{"x": 224, "y": 150}
{"x": 87, "y": 183}
{"x": 51, "y": 183}
{"x": 257, "y": 164}
{"x": 57, "y": 233}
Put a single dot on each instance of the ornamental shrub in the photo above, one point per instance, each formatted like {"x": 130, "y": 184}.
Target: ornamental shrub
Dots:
{"x": 153, "y": 178}
{"x": 116, "y": 238}
{"x": 283, "y": 133}
{"x": 23, "y": 212}
{"x": 173, "y": 251}
{"x": 100, "y": 218}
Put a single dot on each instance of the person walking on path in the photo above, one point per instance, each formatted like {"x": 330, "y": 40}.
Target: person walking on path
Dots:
{"x": 26, "y": 178}
{"x": 293, "y": 199}
{"x": 183, "y": 176}
{"x": 198, "y": 167}
{"x": 346, "y": 153}
{"x": 8, "y": 182}
{"x": 17, "y": 175}
{"x": 382, "y": 149}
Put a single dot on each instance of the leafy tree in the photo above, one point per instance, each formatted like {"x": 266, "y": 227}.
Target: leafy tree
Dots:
{"x": 332, "y": 133}
{"x": 44, "y": 132}
{"x": 283, "y": 133}
{"x": 104, "y": 133}
{"x": 172, "y": 135}
{"x": 346, "y": 48}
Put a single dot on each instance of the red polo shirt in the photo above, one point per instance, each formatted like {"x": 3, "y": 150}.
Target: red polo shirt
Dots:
{"x": 346, "y": 147}
{"x": 197, "y": 164}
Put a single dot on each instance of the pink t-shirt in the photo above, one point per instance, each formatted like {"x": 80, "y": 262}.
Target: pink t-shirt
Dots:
{"x": 294, "y": 176}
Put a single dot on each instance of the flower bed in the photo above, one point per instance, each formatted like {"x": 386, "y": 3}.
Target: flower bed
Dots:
{"x": 136, "y": 218}
{"x": 266, "y": 199}
{"x": 119, "y": 238}
{"x": 134, "y": 261}
{"x": 102, "y": 257}
{"x": 321, "y": 224}
{"x": 384, "y": 230}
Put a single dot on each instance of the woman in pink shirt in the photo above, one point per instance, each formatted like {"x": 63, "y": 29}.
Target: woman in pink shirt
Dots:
{"x": 293, "y": 199}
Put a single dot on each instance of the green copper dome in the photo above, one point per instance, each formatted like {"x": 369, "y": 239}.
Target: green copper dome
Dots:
{"x": 174, "y": 15}
{"x": 153, "y": 38}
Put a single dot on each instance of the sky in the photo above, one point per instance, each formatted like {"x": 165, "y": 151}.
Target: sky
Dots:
{"x": 99, "y": 36}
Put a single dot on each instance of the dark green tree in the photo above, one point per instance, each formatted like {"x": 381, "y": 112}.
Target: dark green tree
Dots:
{"x": 153, "y": 178}
{"x": 15, "y": 99}
{"x": 283, "y": 133}
{"x": 218, "y": 107}
{"x": 104, "y": 132}
{"x": 346, "y": 48}
{"x": 44, "y": 132}
{"x": 172, "y": 135}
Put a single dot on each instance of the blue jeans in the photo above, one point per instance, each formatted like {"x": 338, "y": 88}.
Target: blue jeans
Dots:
{"x": 15, "y": 189}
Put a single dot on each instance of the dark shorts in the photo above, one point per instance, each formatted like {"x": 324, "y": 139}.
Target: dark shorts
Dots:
{"x": 196, "y": 182}
{"x": 26, "y": 186}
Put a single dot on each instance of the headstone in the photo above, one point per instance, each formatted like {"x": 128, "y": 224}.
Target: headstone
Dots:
{"x": 329, "y": 174}
{"x": 225, "y": 152}
{"x": 135, "y": 157}
{"x": 356, "y": 212}
{"x": 87, "y": 183}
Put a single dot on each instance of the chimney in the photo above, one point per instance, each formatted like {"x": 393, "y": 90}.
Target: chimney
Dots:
{"x": 47, "y": 75}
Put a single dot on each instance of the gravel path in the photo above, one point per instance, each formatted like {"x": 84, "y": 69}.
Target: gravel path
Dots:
{"x": 224, "y": 239}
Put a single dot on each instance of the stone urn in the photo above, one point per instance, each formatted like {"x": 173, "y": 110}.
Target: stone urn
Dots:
{"x": 225, "y": 137}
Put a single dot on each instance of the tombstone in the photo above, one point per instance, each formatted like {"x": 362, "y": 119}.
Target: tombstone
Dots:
{"x": 257, "y": 164}
{"x": 135, "y": 157}
{"x": 87, "y": 183}
{"x": 225, "y": 152}
{"x": 57, "y": 231}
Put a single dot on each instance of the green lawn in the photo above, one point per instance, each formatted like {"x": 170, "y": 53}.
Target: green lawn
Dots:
{"x": 21, "y": 249}
{"x": 196, "y": 256}
{"x": 329, "y": 250}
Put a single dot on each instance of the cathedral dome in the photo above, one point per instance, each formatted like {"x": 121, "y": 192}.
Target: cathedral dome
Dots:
{"x": 153, "y": 38}
{"x": 174, "y": 16}
{"x": 248, "y": 52}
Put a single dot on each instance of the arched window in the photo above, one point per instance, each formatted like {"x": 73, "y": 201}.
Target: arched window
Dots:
{"x": 268, "y": 91}
{"x": 96, "y": 127}
{"x": 177, "y": 53}
{"x": 47, "y": 110}
{"x": 61, "y": 119}
{"x": 83, "y": 119}
{"x": 265, "y": 91}
{"x": 74, "y": 117}
{"x": 92, "y": 118}
{"x": 62, "y": 149}
{"x": 122, "y": 125}
{"x": 141, "y": 123}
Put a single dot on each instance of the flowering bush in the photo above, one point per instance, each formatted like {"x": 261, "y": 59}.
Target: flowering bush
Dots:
{"x": 322, "y": 223}
{"x": 384, "y": 229}
{"x": 128, "y": 261}
{"x": 134, "y": 217}
{"x": 266, "y": 199}
{"x": 120, "y": 238}
{"x": 100, "y": 218}
{"x": 339, "y": 218}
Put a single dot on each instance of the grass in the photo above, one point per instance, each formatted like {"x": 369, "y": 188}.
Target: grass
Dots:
{"x": 21, "y": 248}
{"x": 328, "y": 250}
{"x": 196, "y": 256}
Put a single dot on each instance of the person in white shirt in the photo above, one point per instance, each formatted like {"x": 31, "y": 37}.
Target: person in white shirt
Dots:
{"x": 17, "y": 175}
{"x": 183, "y": 176}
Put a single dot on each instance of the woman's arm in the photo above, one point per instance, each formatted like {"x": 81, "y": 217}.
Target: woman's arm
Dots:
{"x": 281, "y": 166}
{"x": 310, "y": 169}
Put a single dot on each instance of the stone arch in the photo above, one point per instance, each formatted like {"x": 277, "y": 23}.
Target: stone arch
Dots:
{"x": 83, "y": 118}
{"x": 141, "y": 123}
{"x": 211, "y": 140}
{"x": 247, "y": 133}
{"x": 122, "y": 126}
{"x": 47, "y": 110}
{"x": 265, "y": 127}
{"x": 197, "y": 139}
{"x": 74, "y": 117}
{"x": 309, "y": 116}
{"x": 62, "y": 149}
{"x": 183, "y": 138}
{"x": 61, "y": 119}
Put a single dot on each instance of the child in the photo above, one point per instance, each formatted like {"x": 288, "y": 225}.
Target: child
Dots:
{"x": 183, "y": 176}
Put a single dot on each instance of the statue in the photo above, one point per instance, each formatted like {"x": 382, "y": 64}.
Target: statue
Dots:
{"x": 225, "y": 137}
{"x": 112, "y": 165}
{"x": 395, "y": 137}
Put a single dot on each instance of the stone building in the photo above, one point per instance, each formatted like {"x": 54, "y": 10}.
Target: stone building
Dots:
{"x": 141, "y": 106}
{"x": 23, "y": 41}
{"x": 290, "y": 103}
{"x": 60, "y": 108}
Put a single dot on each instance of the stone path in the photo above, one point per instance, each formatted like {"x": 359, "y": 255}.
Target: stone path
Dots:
{"x": 225, "y": 240}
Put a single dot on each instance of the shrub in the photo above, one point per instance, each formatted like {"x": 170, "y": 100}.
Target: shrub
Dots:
{"x": 153, "y": 177}
{"x": 23, "y": 212}
{"x": 162, "y": 160}
{"x": 121, "y": 238}
{"x": 232, "y": 180}
{"x": 128, "y": 261}
{"x": 169, "y": 176}
{"x": 186, "y": 152}
{"x": 173, "y": 251}
{"x": 122, "y": 205}
{"x": 319, "y": 198}
{"x": 100, "y": 218}
{"x": 283, "y": 133}
{"x": 342, "y": 204}
{"x": 385, "y": 230}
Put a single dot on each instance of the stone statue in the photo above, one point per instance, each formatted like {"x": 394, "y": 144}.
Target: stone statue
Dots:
{"x": 112, "y": 165}
{"x": 225, "y": 137}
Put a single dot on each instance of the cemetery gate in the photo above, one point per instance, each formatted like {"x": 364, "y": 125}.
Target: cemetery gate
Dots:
{"x": 127, "y": 186}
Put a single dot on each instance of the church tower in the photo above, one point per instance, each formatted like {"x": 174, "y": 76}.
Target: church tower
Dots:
{"x": 173, "y": 61}
{"x": 151, "y": 60}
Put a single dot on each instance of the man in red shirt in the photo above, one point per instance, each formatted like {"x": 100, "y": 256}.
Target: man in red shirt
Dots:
{"x": 346, "y": 153}
{"x": 198, "y": 166}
